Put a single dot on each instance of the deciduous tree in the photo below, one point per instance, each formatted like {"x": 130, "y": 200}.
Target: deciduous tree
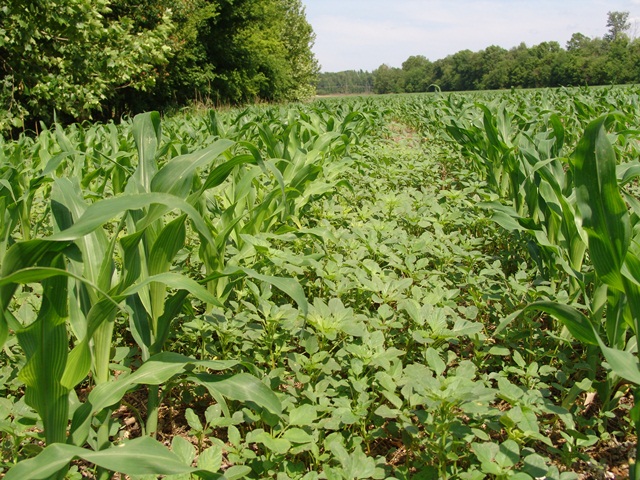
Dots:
{"x": 618, "y": 24}
{"x": 62, "y": 57}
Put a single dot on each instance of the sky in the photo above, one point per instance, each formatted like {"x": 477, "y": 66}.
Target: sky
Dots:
{"x": 364, "y": 34}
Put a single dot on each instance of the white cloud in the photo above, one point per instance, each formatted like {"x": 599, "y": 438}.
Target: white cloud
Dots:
{"x": 354, "y": 34}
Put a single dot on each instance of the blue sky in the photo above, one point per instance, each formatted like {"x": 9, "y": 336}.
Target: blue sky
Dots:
{"x": 363, "y": 34}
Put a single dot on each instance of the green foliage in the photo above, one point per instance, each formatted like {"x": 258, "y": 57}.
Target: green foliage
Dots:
{"x": 612, "y": 59}
{"x": 348, "y": 82}
{"x": 62, "y": 58}
{"x": 387, "y": 79}
{"x": 76, "y": 60}
{"x": 229, "y": 52}
{"x": 618, "y": 24}
{"x": 589, "y": 206}
{"x": 470, "y": 263}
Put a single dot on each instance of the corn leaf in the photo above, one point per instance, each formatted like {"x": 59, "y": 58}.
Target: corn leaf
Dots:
{"x": 222, "y": 171}
{"x": 141, "y": 456}
{"x": 604, "y": 214}
{"x": 576, "y": 322}
{"x": 68, "y": 206}
{"x": 45, "y": 345}
{"x": 176, "y": 176}
{"x": 177, "y": 281}
{"x": 168, "y": 243}
{"x": 147, "y": 134}
{"x": 105, "y": 210}
{"x": 162, "y": 367}
{"x": 622, "y": 363}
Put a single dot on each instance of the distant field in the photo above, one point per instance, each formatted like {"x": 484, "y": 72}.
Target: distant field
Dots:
{"x": 411, "y": 286}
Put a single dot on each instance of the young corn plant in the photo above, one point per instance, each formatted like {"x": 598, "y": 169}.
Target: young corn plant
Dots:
{"x": 522, "y": 162}
{"x": 614, "y": 250}
{"x": 83, "y": 292}
{"x": 269, "y": 189}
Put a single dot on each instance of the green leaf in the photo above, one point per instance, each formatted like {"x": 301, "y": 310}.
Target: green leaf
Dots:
{"x": 242, "y": 387}
{"x": 176, "y": 176}
{"x": 604, "y": 213}
{"x": 623, "y": 363}
{"x": 528, "y": 422}
{"x": 147, "y": 134}
{"x": 508, "y": 454}
{"x": 303, "y": 415}
{"x": 183, "y": 449}
{"x": 236, "y": 472}
{"x": 142, "y": 456}
{"x": 485, "y": 452}
{"x": 297, "y": 435}
{"x": 576, "y": 322}
{"x": 105, "y": 210}
{"x": 279, "y": 446}
{"x": 520, "y": 476}
{"x": 535, "y": 465}
{"x": 385, "y": 412}
{"x": 289, "y": 286}
{"x": 435, "y": 362}
{"x": 355, "y": 464}
{"x": 211, "y": 458}
{"x": 193, "y": 420}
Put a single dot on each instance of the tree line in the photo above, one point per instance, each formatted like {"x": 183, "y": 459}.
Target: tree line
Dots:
{"x": 612, "y": 59}
{"x": 346, "y": 82}
{"x": 96, "y": 59}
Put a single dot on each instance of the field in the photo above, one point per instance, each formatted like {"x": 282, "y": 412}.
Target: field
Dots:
{"x": 420, "y": 286}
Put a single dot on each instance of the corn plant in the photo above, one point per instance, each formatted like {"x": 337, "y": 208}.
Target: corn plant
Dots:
{"x": 573, "y": 211}
{"x": 166, "y": 258}
{"x": 85, "y": 293}
{"x": 613, "y": 249}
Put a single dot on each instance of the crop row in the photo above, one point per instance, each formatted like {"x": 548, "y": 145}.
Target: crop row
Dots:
{"x": 348, "y": 289}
